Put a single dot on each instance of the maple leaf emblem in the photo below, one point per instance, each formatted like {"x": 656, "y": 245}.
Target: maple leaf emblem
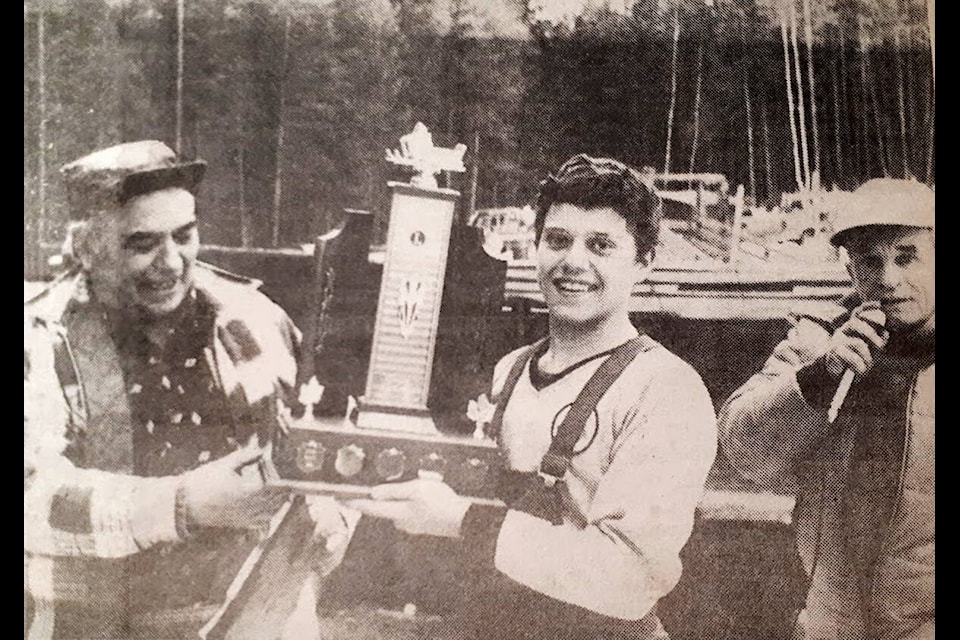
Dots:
{"x": 480, "y": 412}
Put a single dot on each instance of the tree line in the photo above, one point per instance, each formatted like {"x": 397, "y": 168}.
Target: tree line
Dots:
{"x": 293, "y": 102}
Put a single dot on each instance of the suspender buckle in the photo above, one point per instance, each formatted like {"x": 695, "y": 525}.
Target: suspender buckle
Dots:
{"x": 553, "y": 467}
{"x": 548, "y": 480}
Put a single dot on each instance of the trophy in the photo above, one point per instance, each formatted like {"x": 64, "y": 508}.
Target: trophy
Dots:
{"x": 394, "y": 436}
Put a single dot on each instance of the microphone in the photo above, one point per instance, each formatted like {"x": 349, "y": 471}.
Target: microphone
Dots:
{"x": 846, "y": 380}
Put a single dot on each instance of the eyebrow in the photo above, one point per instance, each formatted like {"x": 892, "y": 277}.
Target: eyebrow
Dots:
{"x": 143, "y": 236}
{"x": 589, "y": 232}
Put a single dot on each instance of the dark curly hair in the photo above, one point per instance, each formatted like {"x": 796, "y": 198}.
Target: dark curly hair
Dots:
{"x": 588, "y": 182}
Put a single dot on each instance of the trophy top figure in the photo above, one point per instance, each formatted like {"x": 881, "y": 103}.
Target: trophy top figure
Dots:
{"x": 417, "y": 152}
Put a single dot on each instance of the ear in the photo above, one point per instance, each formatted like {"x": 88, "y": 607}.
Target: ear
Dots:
{"x": 78, "y": 243}
{"x": 644, "y": 266}
{"x": 89, "y": 241}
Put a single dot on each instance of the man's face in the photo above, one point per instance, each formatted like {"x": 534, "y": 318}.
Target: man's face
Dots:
{"x": 151, "y": 246}
{"x": 896, "y": 269}
{"x": 586, "y": 264}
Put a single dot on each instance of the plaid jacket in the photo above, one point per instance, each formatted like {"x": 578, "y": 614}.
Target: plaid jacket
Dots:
{"x": 99, "y": 510}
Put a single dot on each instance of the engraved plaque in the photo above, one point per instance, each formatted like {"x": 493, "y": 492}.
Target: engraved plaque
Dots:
{"x": 408, "y": 310}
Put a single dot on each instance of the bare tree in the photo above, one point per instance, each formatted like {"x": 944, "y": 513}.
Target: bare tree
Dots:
{"x": 933, "y": 61}
{"x": 697, "y": 96}
{"x": 801, "y": 109}
{"x": 278, "y": 171}
{"x": 751, "y": 172}
{"x": 673, "y": 84}
{"x": 178, "y": 125}
{"x": 931, "y": 28}
{"x": 808, "y": 37}
{"x": 42, "y": 124}
{"x": 838, "y": 115}
{"x": 901, "y": 98}
{"x": 765, "y": 129}
{"x": 870, "y": 96}
{"x": 797, "y": 169}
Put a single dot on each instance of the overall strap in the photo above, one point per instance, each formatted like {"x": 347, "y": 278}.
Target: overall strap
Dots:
{"x": 557, "y": 459}
{"x": 509, "y": 384}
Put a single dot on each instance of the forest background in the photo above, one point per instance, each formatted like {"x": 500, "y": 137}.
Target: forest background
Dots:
{"x": 293, "y": 102}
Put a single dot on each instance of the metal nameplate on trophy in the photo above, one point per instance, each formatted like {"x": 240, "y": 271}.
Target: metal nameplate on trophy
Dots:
{"x": 395, "y": 436}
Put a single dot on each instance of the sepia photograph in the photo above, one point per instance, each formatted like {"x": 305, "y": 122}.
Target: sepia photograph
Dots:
{"x": 479, "y": 319}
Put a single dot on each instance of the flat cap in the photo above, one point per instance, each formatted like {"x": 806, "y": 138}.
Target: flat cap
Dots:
{"x": 111, "y": 176}
{"x": 884, "y": 202}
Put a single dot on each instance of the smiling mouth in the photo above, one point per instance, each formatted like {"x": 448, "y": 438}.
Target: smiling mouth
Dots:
{"x": 565, "y": 285}
{"x": 158, "y": 287}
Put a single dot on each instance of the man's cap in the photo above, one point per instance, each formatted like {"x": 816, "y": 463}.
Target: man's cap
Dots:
{"x": 884, "y": 202}
{"x": 114, "y": 175}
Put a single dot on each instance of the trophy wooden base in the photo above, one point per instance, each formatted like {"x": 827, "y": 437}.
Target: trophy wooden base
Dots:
{"x": 335, "y": 457}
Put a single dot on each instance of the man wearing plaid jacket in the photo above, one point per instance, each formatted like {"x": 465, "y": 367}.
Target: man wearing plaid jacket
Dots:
{"x": 150, "y": 383}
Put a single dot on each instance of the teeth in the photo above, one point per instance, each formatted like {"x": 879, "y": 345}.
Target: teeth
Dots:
{"x": 161, "y": 286}
{"x": 573, "y": 287}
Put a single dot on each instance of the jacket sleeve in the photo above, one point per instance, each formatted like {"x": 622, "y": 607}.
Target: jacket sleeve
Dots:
{"x": 780, "y": 413}
{"x": 71, "y": 511}
{"x": 625, "y": 557}
{"x": 926, "y": 631}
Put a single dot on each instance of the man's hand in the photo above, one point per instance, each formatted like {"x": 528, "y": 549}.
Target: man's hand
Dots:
{"x": 855, "y": 343}
{"x": 419, "y": 507}
{"x": 230, "y": 492}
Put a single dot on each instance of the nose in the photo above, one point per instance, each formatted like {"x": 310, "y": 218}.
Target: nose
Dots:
{"x": 577, "y": 256}
{"x": 168, "y": 257}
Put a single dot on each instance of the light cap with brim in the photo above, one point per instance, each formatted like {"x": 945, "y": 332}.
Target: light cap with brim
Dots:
{"x": 110, "y": 177}
{"x": 884, "y": 202}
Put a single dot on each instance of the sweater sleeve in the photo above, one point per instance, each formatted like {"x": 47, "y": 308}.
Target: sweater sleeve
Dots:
{"x": 71, "y": 511}
{"x": 625, "y": 557}
{"x": 780, "y": 413}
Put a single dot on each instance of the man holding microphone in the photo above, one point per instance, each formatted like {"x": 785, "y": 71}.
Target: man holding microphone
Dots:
{"x": 845, "y": 404}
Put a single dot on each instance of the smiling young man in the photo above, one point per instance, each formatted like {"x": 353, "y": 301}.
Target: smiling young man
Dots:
{"x": 608, "y": 438}
{"x": 147, "y": 377}
{"x": 865, "y": 506}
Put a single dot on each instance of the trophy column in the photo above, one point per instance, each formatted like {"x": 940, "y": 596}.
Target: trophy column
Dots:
{"x": 405, "y": 331}
{"x": 395, "y": 437}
